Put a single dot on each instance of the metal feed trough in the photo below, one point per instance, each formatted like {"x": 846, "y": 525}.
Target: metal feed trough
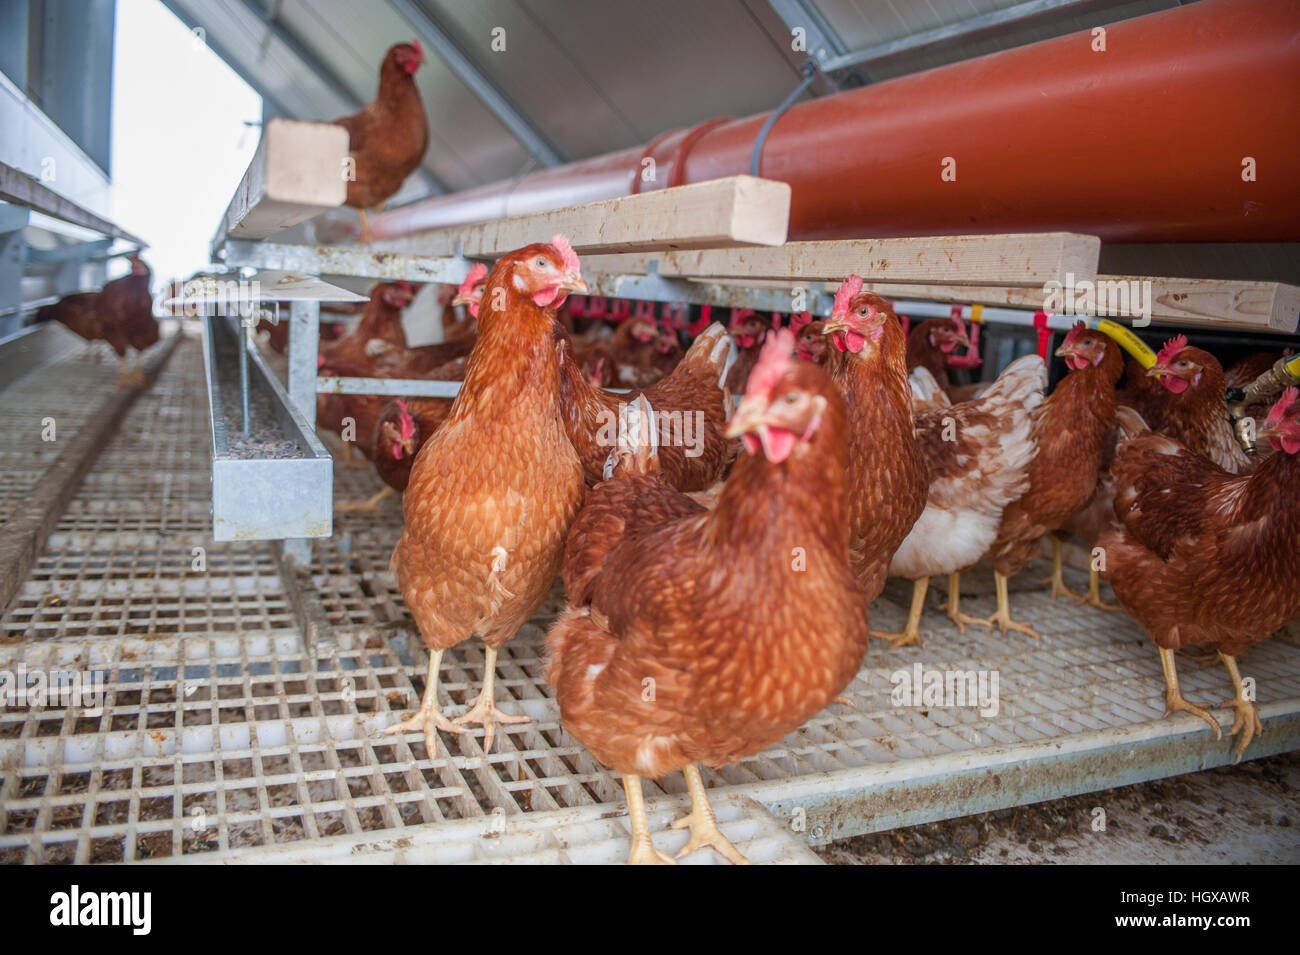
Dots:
{"x": 271, "y": 477}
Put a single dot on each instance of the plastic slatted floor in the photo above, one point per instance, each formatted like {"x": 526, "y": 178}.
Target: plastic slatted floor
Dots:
{"x": 221, "y": 736}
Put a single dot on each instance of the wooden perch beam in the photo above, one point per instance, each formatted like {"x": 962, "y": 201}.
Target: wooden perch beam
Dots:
{"x": 297, "y": 172}
{"x": 739, "y": 210}
{"x": 1014, "y": 261}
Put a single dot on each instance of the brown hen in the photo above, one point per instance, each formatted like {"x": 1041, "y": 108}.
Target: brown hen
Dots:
{"x": 493, "y": 491}
{"x": 1204, "y": 556}
{"x": 696, "y": 636}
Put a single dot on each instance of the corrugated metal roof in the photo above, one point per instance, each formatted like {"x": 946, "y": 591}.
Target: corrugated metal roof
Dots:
{"x": 866, "y": 23}
{"x": 589, "y": 77}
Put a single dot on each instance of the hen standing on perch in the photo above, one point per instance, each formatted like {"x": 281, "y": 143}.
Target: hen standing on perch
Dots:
{"x": 387, "y": 139}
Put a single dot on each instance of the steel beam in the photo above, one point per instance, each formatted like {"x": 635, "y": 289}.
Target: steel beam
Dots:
{"x": 430, "y": 32}
{"x": 823, "y": 43}
{"x": 75, "y": 252}
{"x": 961, "y": 29}
{"x": 17, "y": 186}
{"x": 304, "y": 56}
{"x": 344, "y": 260}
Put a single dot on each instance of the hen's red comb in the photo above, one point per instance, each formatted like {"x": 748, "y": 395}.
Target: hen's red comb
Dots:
{"x": 799, "y": 320}
{"x": 1075, "y": 331}
{"x": 477, "y": 273}
{"x": 405, "y": 423}
{"x": 1172, "y": 348}
{"x": 738, "y": 315}
{"x": 773, "y": 360}
{"x": 850, "y": 287}
{"x": 567, "y": 255}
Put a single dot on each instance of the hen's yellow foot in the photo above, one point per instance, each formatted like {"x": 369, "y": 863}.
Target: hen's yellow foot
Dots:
{"x": 369, "y": 505}
{"x": 1002, "y": 616}
{"x": 703, "y": 823}
{"x": 644, "y": 853}
{"x": 428, "y": 719}
{"x": 485, "y": 711}
{"x": 908, "y": 638}
{"x": 953, "y": 607}
{"x": 643, "y": 850}
{"x": 1246, "y": 721}
{"x": 911, "y": 634}
{"x": 1004, "y": 623}
{"x": 1175, "y": 702}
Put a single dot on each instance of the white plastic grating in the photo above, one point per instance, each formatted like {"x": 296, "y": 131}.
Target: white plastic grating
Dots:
{"x": 58, "y": 392}
{"x": 222, "y": 737}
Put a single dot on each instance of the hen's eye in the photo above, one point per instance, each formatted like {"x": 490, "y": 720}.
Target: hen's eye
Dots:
{"x": 542, "y": 263}
{"x": 792, "y": 398}
{"x": 863, "y": 311}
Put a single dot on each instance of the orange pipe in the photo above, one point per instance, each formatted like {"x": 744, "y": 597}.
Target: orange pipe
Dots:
{"x": 1144, "y": 142}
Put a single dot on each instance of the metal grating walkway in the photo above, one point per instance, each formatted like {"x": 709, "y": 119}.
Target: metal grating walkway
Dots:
{"x": 223, "y": 737}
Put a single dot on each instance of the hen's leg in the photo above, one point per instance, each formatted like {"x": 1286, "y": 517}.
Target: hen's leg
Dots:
{"x": 643, "y": 849}
{"x": 369, "y": 504}
{"x": 429, "y": 717}
{"x": 353, "y": 458}
{"x": 703, "y": 823}
{"x": 1002, "y": 616}
{"x": 912, "y": 631}
{"x": 1247, "y": 719}
{"x": 1057, "y": 580}
{"x": 954, "y": 606}
{"x": 1174, "y": 702}
{"x": 484, "y": 710}
{"x": 124, "y": 375}
{"x": 366, "y": 235}
{"x": 1093, "y": 597}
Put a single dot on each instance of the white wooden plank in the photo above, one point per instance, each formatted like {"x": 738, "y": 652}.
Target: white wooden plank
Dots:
{"x": 298, "y": 172}
{"x": 1014, "y": 261}
{"x": 736, "y": 211}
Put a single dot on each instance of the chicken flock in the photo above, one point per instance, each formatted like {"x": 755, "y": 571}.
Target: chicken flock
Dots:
{"x": 718, "y": 587}
{"x": 719, "y": 559}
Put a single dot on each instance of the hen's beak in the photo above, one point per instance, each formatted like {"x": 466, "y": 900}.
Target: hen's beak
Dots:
{"x": 573, "y": 282}
{"x": 834, "y": 324}
{"x": 1159, "y": 371}
{"x": 1065, "y": 351}
{"x": 460, "y": 299}
{"x": 748, "y": 418}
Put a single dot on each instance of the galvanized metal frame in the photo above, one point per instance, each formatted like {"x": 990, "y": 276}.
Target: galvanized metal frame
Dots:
{"x": 361, "y": 262}
{"x": 17, "y": 186}
{"x": 965, "y": 28}
{"x": 260, "y": 498}
{"x": 824, "y": 44}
